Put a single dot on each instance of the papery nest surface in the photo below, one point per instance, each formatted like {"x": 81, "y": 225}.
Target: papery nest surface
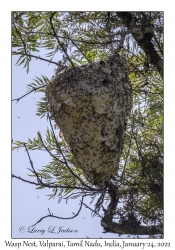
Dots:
{"x": 90, "y": 104}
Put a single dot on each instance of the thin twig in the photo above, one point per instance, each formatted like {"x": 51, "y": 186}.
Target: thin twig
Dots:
{"x": 25, "y": 49}
{"x": 76, "y": 45}
{"x": 62, "y": 218}
{"x": 34, "y": 89}
{"x": 92, "y": 210}
{"x": 123, "y": 172}
{"x": 49, "y": 150}
{"x": 157, "y": 43}
{"x": 24, "y": 45}
{"x": 48, "y": 185}
{"x": 37, "y": 57}
{"x": 77, "y": 40}
{"x": 60, "y": 44}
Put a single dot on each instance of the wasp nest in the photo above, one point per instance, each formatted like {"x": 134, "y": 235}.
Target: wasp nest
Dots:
{"x": 90, "y": 104}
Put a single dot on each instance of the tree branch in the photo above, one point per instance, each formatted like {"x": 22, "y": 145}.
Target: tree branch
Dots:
{"x": 114, "y": 227}
{"x": 60, "y": 44}
{"x": 37, "y": 57}
{"x": 93, "y": 211}
{"x": 144, "y": 40}
{"x": 124, "y": 228}
{"x": 24, "y": 45}
{"x": 75, "y": 45}
{"x": 48, "y": 185}
{"x": 57, "y": 217}
{"x": 129, "y": 147}
{"x": 34, "y": 89}
{"x": 41, "y": 183}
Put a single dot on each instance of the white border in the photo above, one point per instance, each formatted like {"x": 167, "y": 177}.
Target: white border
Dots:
{"x": 5, "y": 90}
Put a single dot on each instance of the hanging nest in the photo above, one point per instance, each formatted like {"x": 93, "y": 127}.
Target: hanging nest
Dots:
{"x": 91, "y": 103}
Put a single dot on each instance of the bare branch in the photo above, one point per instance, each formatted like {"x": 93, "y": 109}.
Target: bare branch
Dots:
{"x": 34, "y": 89}
{"x": 94, "y": 211}
{"x": 60, "y": 44}
{"x": 62, "y": 218}
{"x": 76, "y": 45}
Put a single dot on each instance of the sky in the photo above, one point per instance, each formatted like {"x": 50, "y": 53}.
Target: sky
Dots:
{"x": 25, "y": 200}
